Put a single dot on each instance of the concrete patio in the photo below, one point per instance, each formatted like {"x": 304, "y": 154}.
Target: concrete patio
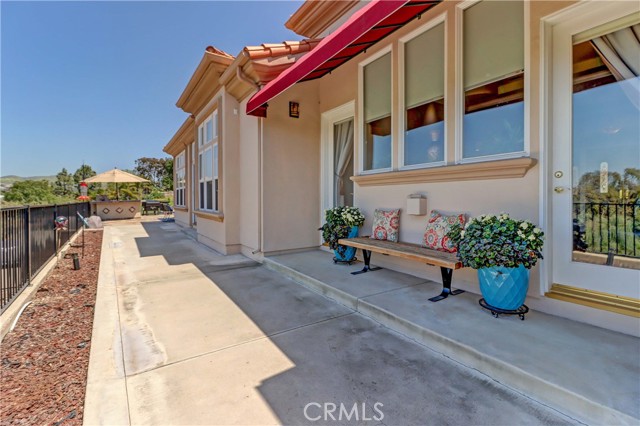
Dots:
{"x": 183, "y": 335}
{"x": 586, "y": 371}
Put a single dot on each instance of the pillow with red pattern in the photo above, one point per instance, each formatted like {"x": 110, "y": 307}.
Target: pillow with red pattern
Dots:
{"x": 386, "y": 225}
{"x": 438, "y": 226}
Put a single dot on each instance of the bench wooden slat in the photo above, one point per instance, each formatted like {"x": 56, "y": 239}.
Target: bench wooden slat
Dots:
{"x": 405, "y": 250}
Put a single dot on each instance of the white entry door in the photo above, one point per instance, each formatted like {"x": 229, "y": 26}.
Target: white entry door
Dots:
{"x": 595, "y": 141}
{"x": 337, "y": 134}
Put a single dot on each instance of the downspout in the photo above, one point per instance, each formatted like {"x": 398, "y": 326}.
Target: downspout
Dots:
{"x": 260, "y": 180}
{"x": 243, "y": 77}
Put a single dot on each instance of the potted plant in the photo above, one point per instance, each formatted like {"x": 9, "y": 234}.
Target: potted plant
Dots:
{"x": 502, "y": 250}
{"x": 341, "y": 222}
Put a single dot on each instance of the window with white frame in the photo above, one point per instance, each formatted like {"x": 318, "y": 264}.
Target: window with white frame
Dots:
{"x": 208, "y": 164}
{"x": 424, "y": 103}
{"x": 180, "y": 181}
{"x": 376, "y": 75}
{"x": 493, "y": 78}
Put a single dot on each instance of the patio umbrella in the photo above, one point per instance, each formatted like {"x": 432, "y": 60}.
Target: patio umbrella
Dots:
{"x": 115, "y": 176}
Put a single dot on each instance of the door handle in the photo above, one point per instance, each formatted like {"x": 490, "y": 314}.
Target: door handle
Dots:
{"x": 558, "y": 189}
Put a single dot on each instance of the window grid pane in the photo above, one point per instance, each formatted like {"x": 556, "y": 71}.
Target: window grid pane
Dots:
{"x": 209, "y": 186}
{"x": 493, "y": 122}
{"x": 424, "y": 98}
{"x": 377, "y": 114}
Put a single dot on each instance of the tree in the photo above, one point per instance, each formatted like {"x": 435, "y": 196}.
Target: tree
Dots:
{"x": 85, "y": 171}
{"x": 64, "y": 184}
{"x": 157, "y": 170}
{"x": 167, "y": 179}
{"x": 30, "y": 192}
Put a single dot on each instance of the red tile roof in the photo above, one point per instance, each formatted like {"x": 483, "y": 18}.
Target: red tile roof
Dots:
{"x": 216, "y": 51}
{"x": 271, "y": 50}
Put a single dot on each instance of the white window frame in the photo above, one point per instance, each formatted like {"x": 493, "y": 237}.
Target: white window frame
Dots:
{"x": 205, "y": 144}
{"x": 387, "y": 49}
{"x": 459, "y": 87}
{"x": 440, "y": 19}
{"x": 215, "y": 184}
{"x": 179, "y": 197}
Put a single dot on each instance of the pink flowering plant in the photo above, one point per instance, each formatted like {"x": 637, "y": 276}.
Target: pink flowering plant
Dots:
{"x": 498, "y": 240}
{"x": 338, "y": 223}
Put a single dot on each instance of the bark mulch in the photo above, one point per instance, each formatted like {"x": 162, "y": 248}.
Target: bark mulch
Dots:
{"x": 44, "y": 360}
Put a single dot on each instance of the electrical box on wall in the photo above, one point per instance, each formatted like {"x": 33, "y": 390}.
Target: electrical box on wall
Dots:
{"x": 417, "y": 205}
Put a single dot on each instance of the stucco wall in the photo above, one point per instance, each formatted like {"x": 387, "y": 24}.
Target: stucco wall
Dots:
{"x": 519, "y": 197}
{"x": 230, "y": 166}
{"x": 249, "y": 215}
{"x": 182, "y": 217}
{"x": 291, "y": 171}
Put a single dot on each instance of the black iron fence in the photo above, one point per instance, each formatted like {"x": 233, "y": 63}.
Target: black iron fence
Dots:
{"x": 29, "y": 240}
{"x": 607, "y": 228}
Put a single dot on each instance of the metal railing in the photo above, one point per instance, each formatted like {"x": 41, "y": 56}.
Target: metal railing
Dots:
{"x": 608, "y": 228}
{"x": 29, "y": 240}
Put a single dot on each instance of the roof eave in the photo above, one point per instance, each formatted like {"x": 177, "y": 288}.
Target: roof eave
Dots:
{"x": 183, "y": 137}
{"x": 204, "y": 82}
{"x": 315, "y": 16}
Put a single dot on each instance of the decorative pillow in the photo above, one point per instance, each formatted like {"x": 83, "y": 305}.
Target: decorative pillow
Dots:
{"x": 438, "y": 226}
{"x": 386, "y": 224}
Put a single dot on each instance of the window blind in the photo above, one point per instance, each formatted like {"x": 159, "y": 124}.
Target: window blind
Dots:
{"x": 493, "y": 41}
{"x": 424, "y": 67}
{"x": 377, "y": 88}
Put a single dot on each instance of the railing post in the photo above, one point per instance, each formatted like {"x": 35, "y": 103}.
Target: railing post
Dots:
{"x": 28, "y": 226}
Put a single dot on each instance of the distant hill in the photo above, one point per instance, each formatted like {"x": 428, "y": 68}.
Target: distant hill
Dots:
{"x": 11, "y": 179}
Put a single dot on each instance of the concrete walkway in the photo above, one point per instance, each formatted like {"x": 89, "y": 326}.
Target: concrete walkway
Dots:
{"x": 185, "y": 336}
{"x": 587, "y": 372}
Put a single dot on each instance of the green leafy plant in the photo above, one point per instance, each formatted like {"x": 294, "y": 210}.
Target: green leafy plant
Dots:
{"x": 338, "y": 223}
{"x": 498, "y": 240}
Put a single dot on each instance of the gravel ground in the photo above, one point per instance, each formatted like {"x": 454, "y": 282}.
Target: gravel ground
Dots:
{"x": 44, "y": 360}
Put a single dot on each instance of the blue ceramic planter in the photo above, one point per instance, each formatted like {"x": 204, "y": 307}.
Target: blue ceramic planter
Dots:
{"x": 350, "y": 252}
{"x": 504, "y": 288}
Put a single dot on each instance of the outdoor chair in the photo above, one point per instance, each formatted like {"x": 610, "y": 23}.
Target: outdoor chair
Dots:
{"x": 168, "y": 212}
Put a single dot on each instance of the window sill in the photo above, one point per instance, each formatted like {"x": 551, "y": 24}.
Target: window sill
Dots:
{"x": 498, "y": 169}
{"x": 180, "y": 208}
{"x": 217, "y": 217}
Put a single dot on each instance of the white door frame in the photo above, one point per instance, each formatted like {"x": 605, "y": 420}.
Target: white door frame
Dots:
{"x": 580, "y": 17}
{"x": 328, "y": 119}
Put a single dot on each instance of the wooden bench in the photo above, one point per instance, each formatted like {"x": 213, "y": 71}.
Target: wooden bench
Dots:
{"x": 446, "y": 261}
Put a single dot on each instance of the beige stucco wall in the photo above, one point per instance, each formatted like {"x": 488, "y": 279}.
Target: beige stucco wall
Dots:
{"x": 223, "y": 234}
{"x": 249, "y": 169}
{"x": 182, "y": 217}
{"x": 291, "y": 171}
{"x": 519, "y": 197}
{"x": 230, "y": 166}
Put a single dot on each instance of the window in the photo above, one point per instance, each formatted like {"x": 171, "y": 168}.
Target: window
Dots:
{"x": 377, "y": 114}
{"x": 180, "y": 181}
{"x": 208, "y": 164}
{"x": 493, "y": 75}
{"x": 424, "y": 98}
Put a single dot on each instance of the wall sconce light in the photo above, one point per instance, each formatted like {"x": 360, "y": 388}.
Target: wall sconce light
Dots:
{"x": 294, "y": 110}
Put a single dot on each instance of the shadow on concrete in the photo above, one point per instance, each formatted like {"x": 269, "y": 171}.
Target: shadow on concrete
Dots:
{"x": 340, "y": 357}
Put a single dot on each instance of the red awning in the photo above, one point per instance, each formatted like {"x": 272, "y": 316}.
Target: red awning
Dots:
{"x": 365, "y": 28}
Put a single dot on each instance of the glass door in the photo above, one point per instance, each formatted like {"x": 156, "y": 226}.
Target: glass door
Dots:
{"x": 337, "y": 157}
{"x": 343, "y": 163}
{"x": 596, "y": 153}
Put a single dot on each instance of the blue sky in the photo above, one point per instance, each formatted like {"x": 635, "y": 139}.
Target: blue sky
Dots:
{"x": 98, "y": 81}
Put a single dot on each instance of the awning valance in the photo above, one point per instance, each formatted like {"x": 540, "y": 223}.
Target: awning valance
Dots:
{"x": 365, "y": 28}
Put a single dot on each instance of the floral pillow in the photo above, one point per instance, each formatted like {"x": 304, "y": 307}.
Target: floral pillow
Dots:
{"x": 386, "y": 224}
{"x": 438, "y": 226}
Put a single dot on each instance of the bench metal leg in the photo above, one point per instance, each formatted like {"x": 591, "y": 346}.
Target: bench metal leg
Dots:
{"x": 367, "y": 262}
{"x": 447, "y": 274}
